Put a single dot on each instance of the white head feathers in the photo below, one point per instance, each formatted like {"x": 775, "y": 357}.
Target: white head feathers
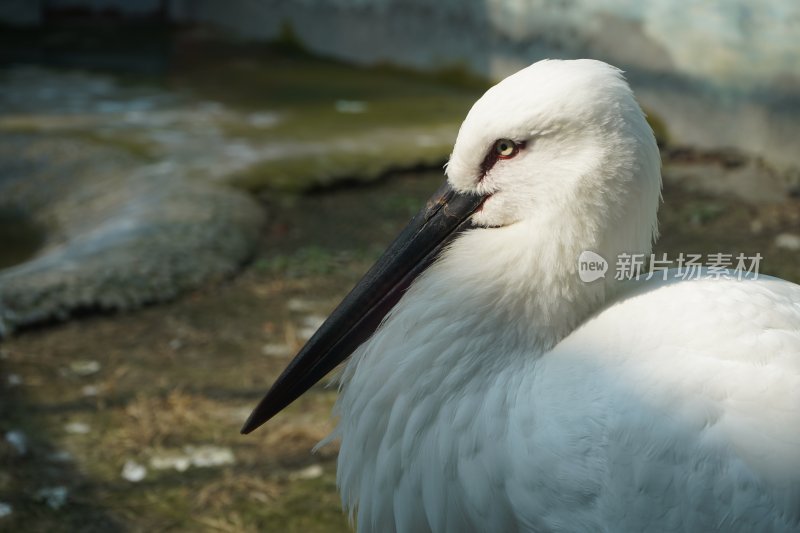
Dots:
{"x": 589, "y": 156}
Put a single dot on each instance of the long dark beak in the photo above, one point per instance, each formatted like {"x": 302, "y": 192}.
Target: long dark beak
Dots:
{"x": 446, "y": 214}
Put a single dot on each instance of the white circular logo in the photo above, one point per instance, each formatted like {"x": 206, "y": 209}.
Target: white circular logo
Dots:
{"x": 591, "y": 266}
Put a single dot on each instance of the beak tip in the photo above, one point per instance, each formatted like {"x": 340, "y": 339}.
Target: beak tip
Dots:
{"x": 253, "y": 422}
{"x": 272, "y": 404}
{"x": 248, "y": 427}
{"x": 251, "y": 425}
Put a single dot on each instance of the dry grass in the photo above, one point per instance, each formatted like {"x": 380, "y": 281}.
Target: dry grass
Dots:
{"x": 156, "y": 396}
{"x": 158, "y": 422}
{"x": 232, "y": 488}
{"x": 229, "y": 523}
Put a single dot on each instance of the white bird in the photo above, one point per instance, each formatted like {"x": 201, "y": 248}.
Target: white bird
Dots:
{"x": 490, "y": 389}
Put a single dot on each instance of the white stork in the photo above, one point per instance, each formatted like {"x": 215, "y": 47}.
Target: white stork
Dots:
{"x": 490, "y": 389}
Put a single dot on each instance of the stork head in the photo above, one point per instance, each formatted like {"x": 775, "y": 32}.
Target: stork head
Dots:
{"x": 560, "y": 143}
{"x": 560, "y": 148}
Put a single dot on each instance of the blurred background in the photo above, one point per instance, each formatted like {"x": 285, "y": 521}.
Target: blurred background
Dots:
{"x": 188, "y": 187}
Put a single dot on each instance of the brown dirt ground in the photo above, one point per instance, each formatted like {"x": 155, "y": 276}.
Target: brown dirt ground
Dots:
{"x": 188, "y": 372}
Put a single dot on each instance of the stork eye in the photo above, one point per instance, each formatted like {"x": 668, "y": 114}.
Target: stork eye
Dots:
{"x": 501, "y": 149}
{"x": 505, "y": 148}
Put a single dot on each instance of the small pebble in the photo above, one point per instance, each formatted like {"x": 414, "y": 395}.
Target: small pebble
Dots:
{"x": 181, "y": 463}
{"x": 5, "y": 509}
{"x": 14, "y": 380}
{"x": 84, "y": 368}
{"x": 309, "y": 472}
{"x": 77, "y": 428}
{"x": 311, "y": 324}
{"x": 54, "y": 497}
{"x": 176, "y": 344}
{"x": 276, "y": 350}
{"x": 197, "y": 456}
{"x": 204, "y": 456}
{"x": 788, "y": 241}
{"x": 18, "y": 441}
{"x": 299, "y": 305}
{"x": 133, "y": 471}
{"x": 89, "y": 390}
{"x": 61, "y": 456}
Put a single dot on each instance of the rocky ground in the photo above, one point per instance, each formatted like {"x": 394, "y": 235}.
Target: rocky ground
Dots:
{"x": 139, "y": 184}
{"x": 129, "y": 420}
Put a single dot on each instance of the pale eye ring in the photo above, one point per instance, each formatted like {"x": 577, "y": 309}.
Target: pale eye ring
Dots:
{"x": 505, "y": 148}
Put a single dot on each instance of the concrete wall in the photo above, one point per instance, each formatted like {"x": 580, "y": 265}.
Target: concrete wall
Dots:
{"x": 719, "y": 72}
{"x": 733, "y": 42}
